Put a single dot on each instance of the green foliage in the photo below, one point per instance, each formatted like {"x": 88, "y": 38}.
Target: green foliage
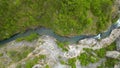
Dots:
{"x": 65, "y": 17}
{"x": 71, "y": 62}
{"x": 47, "y": 66}
{"x": 111, "y": 47}
{"x": 92, "y": 56}
{"x": 62, "y": 62}
{"x": 2, "y": 65}
{"x": 16, "y": 55}
{"x": 31, "y": 62}
{"x": 86, "y": 58}
{"x": 19, "y": 66}
{"x": 63, "y": 45}
{"x": 1, "y": 54}
{"x": 42, "y": 56}
{"x": 30, "y": 38}
{"x": 101, "y": 8}
{"x": 109, "y": 63}
{"x": 101, "y": 52}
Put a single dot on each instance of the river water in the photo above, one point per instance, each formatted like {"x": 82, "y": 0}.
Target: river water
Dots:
{"x": 73, "y": 39}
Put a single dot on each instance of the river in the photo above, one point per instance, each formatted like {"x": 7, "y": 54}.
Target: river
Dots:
{"x": 72, "y": 39}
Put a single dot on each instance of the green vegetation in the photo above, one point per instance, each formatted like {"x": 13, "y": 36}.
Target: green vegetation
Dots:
{"x": 2, "y": 65}
{"x": 47, "y": 66}
{"x": 63, "y": 45}
{"x": 1, "y": 54}
{"x": 111, "y": 47}
{"x": 31, "y": 62}
{"x": 63, "y": 62}
{"x": 13, "y": 55}
{"x": 71, "y": 62}
{"x": 101, "y": 52}
{"x": 92, "y": 56}
{"x": 109, "y": 63}
{"x": 30, "y": 37}
{"x": 34, "y": 61}
{"x": 89, "y": 56}
{"x": 17, "y": 55}
{"x": 86, "y": 58}
{"x": 65, "y": 17}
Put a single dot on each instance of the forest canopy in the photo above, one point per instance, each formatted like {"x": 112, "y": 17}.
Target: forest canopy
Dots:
{"x": 65, "y": 17}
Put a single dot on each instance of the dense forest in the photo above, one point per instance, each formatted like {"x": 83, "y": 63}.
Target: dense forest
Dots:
{"x": 65, "y": 17}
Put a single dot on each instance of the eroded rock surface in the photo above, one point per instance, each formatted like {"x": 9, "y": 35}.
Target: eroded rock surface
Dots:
{"x": 113, "y": 54}
{"x": 118, "y": 43}
{"x": 46, "y": 45}
{"x": 76, "y": 49}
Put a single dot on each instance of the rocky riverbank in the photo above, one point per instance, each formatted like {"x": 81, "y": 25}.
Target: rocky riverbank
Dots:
{"x": 54, "y": 56}
{"x": 46, "y": 52}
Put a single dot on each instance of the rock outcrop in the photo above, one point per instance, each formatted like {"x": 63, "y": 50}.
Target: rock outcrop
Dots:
{"x": 47, "y": 45}
{"x": 113, "y": 54}
{"x": 118, "y": 44}
{"x": 76, "y": 49}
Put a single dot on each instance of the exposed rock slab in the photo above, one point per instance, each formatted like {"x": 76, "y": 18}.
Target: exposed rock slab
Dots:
{"x": 76, "y": 49}
{"x": 118, "y": 44}
{"x": 113, "y": 54}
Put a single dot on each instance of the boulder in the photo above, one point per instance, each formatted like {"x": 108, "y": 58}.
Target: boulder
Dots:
{"x": 118, "y": 44}
{"x": 113, "y": 54}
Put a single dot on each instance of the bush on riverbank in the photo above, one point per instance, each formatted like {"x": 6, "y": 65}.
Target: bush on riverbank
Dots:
{"x": 28, "y": 38}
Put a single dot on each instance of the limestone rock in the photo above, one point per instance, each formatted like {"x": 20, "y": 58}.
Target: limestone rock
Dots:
{"x": 118, "y": 44}
{"x": 113, "y": 54}
{"x": 117, "y": 65}
{"x": 88, "y": 41}
{"x": 37, "y": 66}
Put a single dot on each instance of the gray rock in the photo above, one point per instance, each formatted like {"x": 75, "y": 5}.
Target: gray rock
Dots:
{"x": 117, "y": 65}
{"x": 37, "y": 66}
{"x": 118, "y": 44}
{"x": 113, "y": 54}
{"x": 88, "y": 41}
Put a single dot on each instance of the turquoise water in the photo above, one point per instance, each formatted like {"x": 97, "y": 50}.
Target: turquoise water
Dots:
{"x": 73, "y": 39}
